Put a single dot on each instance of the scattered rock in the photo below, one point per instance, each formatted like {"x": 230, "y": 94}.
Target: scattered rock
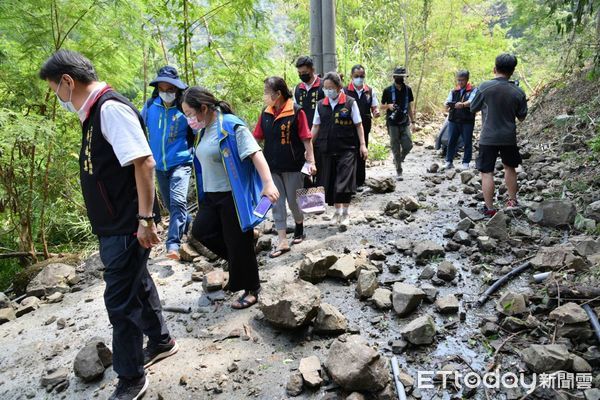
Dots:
{"x": 366, "y": 284}
{"x": 55, "y": 277}
{"x": 406, "y": 298}
{"x": 264, "y": 243}
{"x": 551, "y": 257}
{"x": 91, "y": 361}
{"x": 187, "y": 252}
{"x": 570, "y": 313}
{"x": 27, "y": 305}
{"x": 344, "y": 268}
{"x": 294, "y": 384}
{"x": 356, "y": 366}
{"x": 330, "y": 320}
{"x": 546, "y": 358}
{"x": 430, "y": 292}
{"x": 213, "y": 280}
{"x": 426, "y": 250}
{"x": 486, "y": 243}
{"x": 470, "y": 213}
{"x": 381, "y": 185}
{"x": 55, "y": 297}
{"x": 466, "y": 176}
{"x": 555, "y": 213}
{"x": 420, "y": 330}
{"x": 433, "y": 168}
{"x": 447, "y": 304}
{"x": 511, "y": 303}
{"x": 446, "y": 271}
{"x": 6, "y": 315}
{"x": 289, "y": 304}
{"x": 382, "y": 298}
{"x": 310, "y": 368}
{"x": 53, "y": 378}
{"x": 403, "y": 245}
{"x": 497, "y": 226}
{"x": 314, "y": 266}
{"x": 5, "y": 301}
{"x": 593, "y": 211}
{"x": 410, "y": 203}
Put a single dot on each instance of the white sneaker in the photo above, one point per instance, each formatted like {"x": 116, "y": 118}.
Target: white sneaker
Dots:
{"x": 449, "y": 165}
{"x": 466, "y": 166}
{"x": 345, "y": 220}
{"x": 335, "y": 219}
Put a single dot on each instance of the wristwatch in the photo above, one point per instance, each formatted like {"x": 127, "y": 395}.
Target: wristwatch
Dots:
{"x": 146, "y": 221}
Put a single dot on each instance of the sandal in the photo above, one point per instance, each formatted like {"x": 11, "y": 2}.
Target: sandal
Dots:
{"x": 299, "y": 235}
{"x": 242, "y": 302}
{"x": 278, "y": 252}
{"x": 298, "y": 239}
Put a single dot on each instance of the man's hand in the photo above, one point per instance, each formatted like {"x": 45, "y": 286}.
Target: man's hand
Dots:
{"x": 364, "y": 152}
{"x": 147, "y": 236}
{"x": 459, "y": 105}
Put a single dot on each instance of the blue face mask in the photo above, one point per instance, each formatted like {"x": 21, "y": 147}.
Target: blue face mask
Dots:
{"x": 67, "y": 105}
{"x": 358, "y": 81}
{"x": 331, "y": 93}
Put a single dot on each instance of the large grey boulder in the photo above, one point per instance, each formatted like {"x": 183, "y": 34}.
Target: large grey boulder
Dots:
{"x": 511, "y": 304}
{"x": 55, "y": 277}
{"x": 497, "y": 226}
{"x": 426, "y": 250}
{"x": 356, "y": 366}
{"x": 367, "y": 284}
{"x": 330, "y": 320}
{"x": 569, "y": 313}
{"x": 593, "y": 211}
{"x": 91, "y": 361}
{"x": 420, "y": 330}
{"x": 406, "y": 298}
{"x": 313, "y": 268}
{"x": 381, "y": 185}
{"x": 289, "y": 304}
{"x": 555, "y": 213}
{"x": 546, "y": 358}
{"x": 344, "y": 268}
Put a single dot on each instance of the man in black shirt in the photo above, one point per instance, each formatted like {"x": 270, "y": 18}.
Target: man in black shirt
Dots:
{"x": 398, "y": 101}
{"x": 501, "y": 102}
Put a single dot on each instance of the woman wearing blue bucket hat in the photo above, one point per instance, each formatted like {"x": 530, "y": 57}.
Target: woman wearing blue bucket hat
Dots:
{"x": 170, "y": 139}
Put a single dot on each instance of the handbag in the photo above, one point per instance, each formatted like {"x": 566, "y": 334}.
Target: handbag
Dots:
{"x": 311, "y": 200}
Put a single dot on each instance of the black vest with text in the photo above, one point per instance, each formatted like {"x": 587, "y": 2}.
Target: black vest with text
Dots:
{"x": 284, "y": 150}
{"x": 337, "y": 132}
{"x": 461, "y": 115}
{"x": 365, "y": 101}
{"x": 109, "y": 190}
{"x": 308, "y": 99}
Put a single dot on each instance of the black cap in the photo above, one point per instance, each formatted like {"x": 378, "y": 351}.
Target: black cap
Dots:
{"x": 400, "y": 71}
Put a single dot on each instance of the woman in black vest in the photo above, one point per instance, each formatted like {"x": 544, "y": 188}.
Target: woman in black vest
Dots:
{"x": 287, "y": 147}
{"x": 337, "y": 130}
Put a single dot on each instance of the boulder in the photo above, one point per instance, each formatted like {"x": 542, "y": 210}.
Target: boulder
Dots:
{"x": 403, "y": 245}
{"x": 593, "y": 211}
{"x": 382, "y": 298}
{"x": 446, "y": 271}
{"x": 465, "y": 224}
{"x": 27, "y": 305}
{"x": 289, "y": 304}
{"x": 264, "y": 243}
{"x": 356, "y": 366}
{"x": 330, "y": 320}
{"x": 426, "y": 250}
{"x": 420, "y": 330}
{"x": 550, "y": 257}
{"x": 310, "y": 368}
{"x": 555, "y": 213}
{"x": 410, "y": 203}
{"x": 511, "y": 303}
{"x": 344, "y": 268}
{"x": 314, "y": 266}
{"x": 431, "y": 292}
{"x": 294, "y": 384}
{"x": 486, "y": 243}
{"x": 569, "y": 313}
{"x": 585, "y": 245}
{"x": 91, "y": 361}
{"x": 546, "y": 358}
{"x": 470, "y": 213}
{"x": 497, "y": 226}
{"x": 55, "y": 377}
{"x": 187, "y": 252}
{"x": 55, "y": 277}
{"x": 367, "y": 284}
{"x": 5, "y": 301}
{"x": 433, "y": 168}
{"x": 213, "y": 280}
{"x": 447, "y": 304}
{"x": 406, "y": 298}
{"x": 6, "y": 315}
{"x": 466, "y": 176}
{"x": 381, "y": 185}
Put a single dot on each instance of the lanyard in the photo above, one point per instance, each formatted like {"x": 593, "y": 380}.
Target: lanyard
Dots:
{"x": 405, "y": 97}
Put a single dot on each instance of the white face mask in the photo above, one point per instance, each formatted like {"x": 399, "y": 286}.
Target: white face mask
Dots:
{"x": 167, "y": 97}
{"x": 331, "y": 93}
{"x": 358, "y": 81}
{"x": 195, "y": 124}
{"x": 67, "y": 105}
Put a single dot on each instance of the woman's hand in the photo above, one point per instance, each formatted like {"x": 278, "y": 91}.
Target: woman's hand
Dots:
{"x": 312, "y": 169}
{"x": 364, "y": 153}
{"x": 271, "y": 192}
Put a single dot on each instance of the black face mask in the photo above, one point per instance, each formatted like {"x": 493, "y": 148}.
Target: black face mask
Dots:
{"x": 399, "y": 80}
{"x": 305, "y": 77}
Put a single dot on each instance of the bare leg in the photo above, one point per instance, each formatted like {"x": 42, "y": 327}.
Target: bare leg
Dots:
{"x": 510, "y": 178}
{"x": 487, "y": 185}
{"x": 283, "y": 242}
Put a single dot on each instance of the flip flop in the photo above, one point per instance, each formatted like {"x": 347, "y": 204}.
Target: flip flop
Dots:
{"x": 243, "y": 302}
{"x": 298, "y": 239}
{"x": 278, "y": 252}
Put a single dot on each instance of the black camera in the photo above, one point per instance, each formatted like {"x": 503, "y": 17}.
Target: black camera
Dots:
{"x": 397, "y": 116}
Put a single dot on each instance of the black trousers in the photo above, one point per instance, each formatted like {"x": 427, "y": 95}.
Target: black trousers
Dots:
{"x": 339, "y": 176}
{"x": 132, "y": 303}
{"x": 361, "y": 168}
{"x": 217, "y": 227}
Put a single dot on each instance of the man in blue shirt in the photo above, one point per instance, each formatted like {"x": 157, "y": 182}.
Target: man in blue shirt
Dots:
{"x": 461, "y": 120}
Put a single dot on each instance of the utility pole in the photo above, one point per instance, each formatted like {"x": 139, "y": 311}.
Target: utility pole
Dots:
{"x": 322, "y": 35}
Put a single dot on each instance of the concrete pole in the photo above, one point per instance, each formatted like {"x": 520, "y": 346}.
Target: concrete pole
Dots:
{"x": 329, "y": 54}
{"x": 316, "y": 35}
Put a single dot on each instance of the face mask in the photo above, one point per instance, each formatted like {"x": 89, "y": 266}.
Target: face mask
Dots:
{"x": 399, "y": 80}
{"x": 67, "y": 105}
{"x": 358, "y": 81}
{"x": 269, "y": 100}
{"x": 167, "y": 97}
{"x": 195, "y": 124}
{"x": 331, "y": 93}
{"x": 305, "y": 77}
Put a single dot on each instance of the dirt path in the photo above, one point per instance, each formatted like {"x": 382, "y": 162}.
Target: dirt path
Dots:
{"x": 263, "y": 363}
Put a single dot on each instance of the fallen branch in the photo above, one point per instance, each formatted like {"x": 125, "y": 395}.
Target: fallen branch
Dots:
{"x": 179, "y": 310}
{"x": 500, "y": 282}
{"x": 27, "y": 254}
{"x": 574, "y": 292}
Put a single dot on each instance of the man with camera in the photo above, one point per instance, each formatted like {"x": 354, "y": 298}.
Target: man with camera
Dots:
{"x": 398, "y": 100}
{"x": 501, "y": 102}
{"x": 461, "y": 120}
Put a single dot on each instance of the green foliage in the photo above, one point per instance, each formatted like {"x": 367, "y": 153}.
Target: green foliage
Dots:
{"x": 595, "y": 144}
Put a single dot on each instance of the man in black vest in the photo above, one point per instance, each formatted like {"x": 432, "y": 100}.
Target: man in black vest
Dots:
{"x": 398, "y": 100}
{"x": 117, "y": 180}
{"x": 461, "y": 120}
{"x": 368, "y": 106}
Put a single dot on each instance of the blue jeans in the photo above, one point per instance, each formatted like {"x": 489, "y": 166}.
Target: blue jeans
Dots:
{"x": 132, "y": 303}
{"x": 173, "y": 185}
{"x": 456, "y": 130}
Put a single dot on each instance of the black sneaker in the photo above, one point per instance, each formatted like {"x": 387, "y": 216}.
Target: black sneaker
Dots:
{"x": 155, "y": 353}
{"x": 130, "y": 389}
